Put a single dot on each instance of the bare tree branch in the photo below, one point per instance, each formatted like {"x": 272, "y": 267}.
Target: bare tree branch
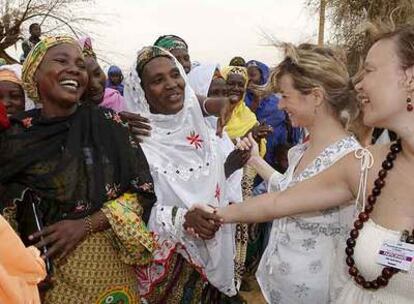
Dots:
{"x": 52, "y": 15}
{"x": 348, "y": 16}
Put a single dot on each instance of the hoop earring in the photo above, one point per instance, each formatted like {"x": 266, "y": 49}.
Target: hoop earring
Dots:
{"x": 409, "y": 105}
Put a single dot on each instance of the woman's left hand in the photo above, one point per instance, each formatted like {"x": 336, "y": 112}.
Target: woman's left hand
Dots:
{"x": 261, "y": 131}
{"x": 225, "y": 114}
{"x": 60, "y": 238}
{"x": 235, "y": 161}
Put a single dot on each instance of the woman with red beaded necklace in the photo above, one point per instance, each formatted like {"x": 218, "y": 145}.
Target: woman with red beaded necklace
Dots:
{"x": 383, "y": 172}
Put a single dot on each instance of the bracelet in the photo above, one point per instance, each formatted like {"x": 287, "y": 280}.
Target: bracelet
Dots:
{"x": 88, "y": 223}
{"x": 204, "y": 107}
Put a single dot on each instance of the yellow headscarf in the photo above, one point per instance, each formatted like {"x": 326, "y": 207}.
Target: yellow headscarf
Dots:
{"x": 242, "y": 119}
{"x": 35, "y": 57}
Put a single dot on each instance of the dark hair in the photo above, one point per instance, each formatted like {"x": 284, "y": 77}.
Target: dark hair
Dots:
{"x": 33, "y": 25}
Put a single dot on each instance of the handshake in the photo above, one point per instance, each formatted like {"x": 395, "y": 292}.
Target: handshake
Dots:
{"x": 202, "y": 221}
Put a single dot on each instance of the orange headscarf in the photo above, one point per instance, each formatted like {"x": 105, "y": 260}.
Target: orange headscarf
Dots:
{"x": 8, "y": 75}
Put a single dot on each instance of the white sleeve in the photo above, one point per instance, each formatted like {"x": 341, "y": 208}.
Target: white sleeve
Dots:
{"x": 273, "y": 185}
{"x": 168, "y": 220}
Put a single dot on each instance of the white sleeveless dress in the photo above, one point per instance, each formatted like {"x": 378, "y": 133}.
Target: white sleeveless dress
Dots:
{"x": 400, "y": 289}
{"x": 296, "y": 265}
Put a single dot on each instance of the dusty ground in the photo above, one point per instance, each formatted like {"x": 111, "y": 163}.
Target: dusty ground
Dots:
{"x": 254, "y": 296}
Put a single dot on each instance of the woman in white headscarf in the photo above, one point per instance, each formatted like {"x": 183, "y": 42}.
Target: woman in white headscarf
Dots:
{"x": 187, "y": 167}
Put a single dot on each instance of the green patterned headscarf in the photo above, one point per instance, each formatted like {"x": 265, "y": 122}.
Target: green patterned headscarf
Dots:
{"x": 34, "y": 59}
{"x": 171, "y": 42}
{"x": 147, "y": 54}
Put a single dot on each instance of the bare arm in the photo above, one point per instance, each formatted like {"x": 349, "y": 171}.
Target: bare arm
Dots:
{"x": 262, "y": 167}
{"x": 259, "y": 164}
{"x": 328, "y": 189}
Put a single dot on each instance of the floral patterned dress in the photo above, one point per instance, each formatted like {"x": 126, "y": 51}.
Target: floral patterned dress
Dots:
{"x": 296, "y": 264}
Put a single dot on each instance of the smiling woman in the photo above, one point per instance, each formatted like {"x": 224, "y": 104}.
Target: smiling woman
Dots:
{"x": 163, "y": 86}
{"x": 67, "y": 169}
{"x": 96, "y": 92}
{"x": 187, "y": 166}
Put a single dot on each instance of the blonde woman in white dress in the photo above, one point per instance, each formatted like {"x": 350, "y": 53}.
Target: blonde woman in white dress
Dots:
{"x": 315, "y": 89}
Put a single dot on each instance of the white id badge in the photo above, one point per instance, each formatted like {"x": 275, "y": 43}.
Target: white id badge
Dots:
{"x": 396, "y": 254}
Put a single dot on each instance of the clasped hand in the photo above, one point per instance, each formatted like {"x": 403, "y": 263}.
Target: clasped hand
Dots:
{"x": 202, "y": 221}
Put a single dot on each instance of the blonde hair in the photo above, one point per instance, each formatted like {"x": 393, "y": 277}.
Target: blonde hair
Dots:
{"x": 312, "y": 67}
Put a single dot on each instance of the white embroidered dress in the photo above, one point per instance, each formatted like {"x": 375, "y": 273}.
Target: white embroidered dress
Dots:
{"x": 188, "y": 168}
{"x": 295, "y": 267}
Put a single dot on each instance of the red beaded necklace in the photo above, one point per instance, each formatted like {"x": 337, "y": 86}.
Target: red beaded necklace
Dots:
{"x": 387, "y": 272}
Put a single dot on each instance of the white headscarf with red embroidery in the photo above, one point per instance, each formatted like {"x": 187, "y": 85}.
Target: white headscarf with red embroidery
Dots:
{"x": 188, "y": 168}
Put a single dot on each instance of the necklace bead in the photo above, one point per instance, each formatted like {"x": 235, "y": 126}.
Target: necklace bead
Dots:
{"x": 372, "y": 199}
{"x": 350, "y": 242}
{"x": 382, "y": 281}
{"x": 396, "y": 147}
{"x": 360, "y": 279}
{"x": 367, "y": 285}
{"x": 369, "y": 208}
{"x": 387, "y": 272}
{"x": 391, "y": 156}
{"x": 376, "y": 191}
{"x": 387, "y": 165}
{"x": 350, "y": 261}
{"x": 410, "y": 240}
{"x": 363, "y": 216}
{"x": 374, "y": 285}
{"x": 382, "y": 174}
{"x": 349, "y": 251}
{"x": 358, "y": 224}
{"x": 354, "y": 233}
{"x": 353, "y": 271}
{"x": 379, "y": 183}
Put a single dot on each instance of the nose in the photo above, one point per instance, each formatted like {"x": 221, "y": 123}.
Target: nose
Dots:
{"x": 74, "y": 69}
{"x": 171, "y": 83}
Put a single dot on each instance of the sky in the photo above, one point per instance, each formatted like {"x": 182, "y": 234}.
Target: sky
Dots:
{"x": 215, "y": 30}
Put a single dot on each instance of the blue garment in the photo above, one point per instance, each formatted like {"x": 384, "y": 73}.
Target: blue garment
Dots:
{"x": 113, "y": 69}
{"x": 267, "y": 112}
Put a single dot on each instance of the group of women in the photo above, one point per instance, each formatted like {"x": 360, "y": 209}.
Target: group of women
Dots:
{"x": 129, "y": 198}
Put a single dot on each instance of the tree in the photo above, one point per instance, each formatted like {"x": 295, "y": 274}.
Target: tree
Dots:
{"x": 321, "y": 33}
{"x": 55, "y": 16}
{"x": 348, "y": 16}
